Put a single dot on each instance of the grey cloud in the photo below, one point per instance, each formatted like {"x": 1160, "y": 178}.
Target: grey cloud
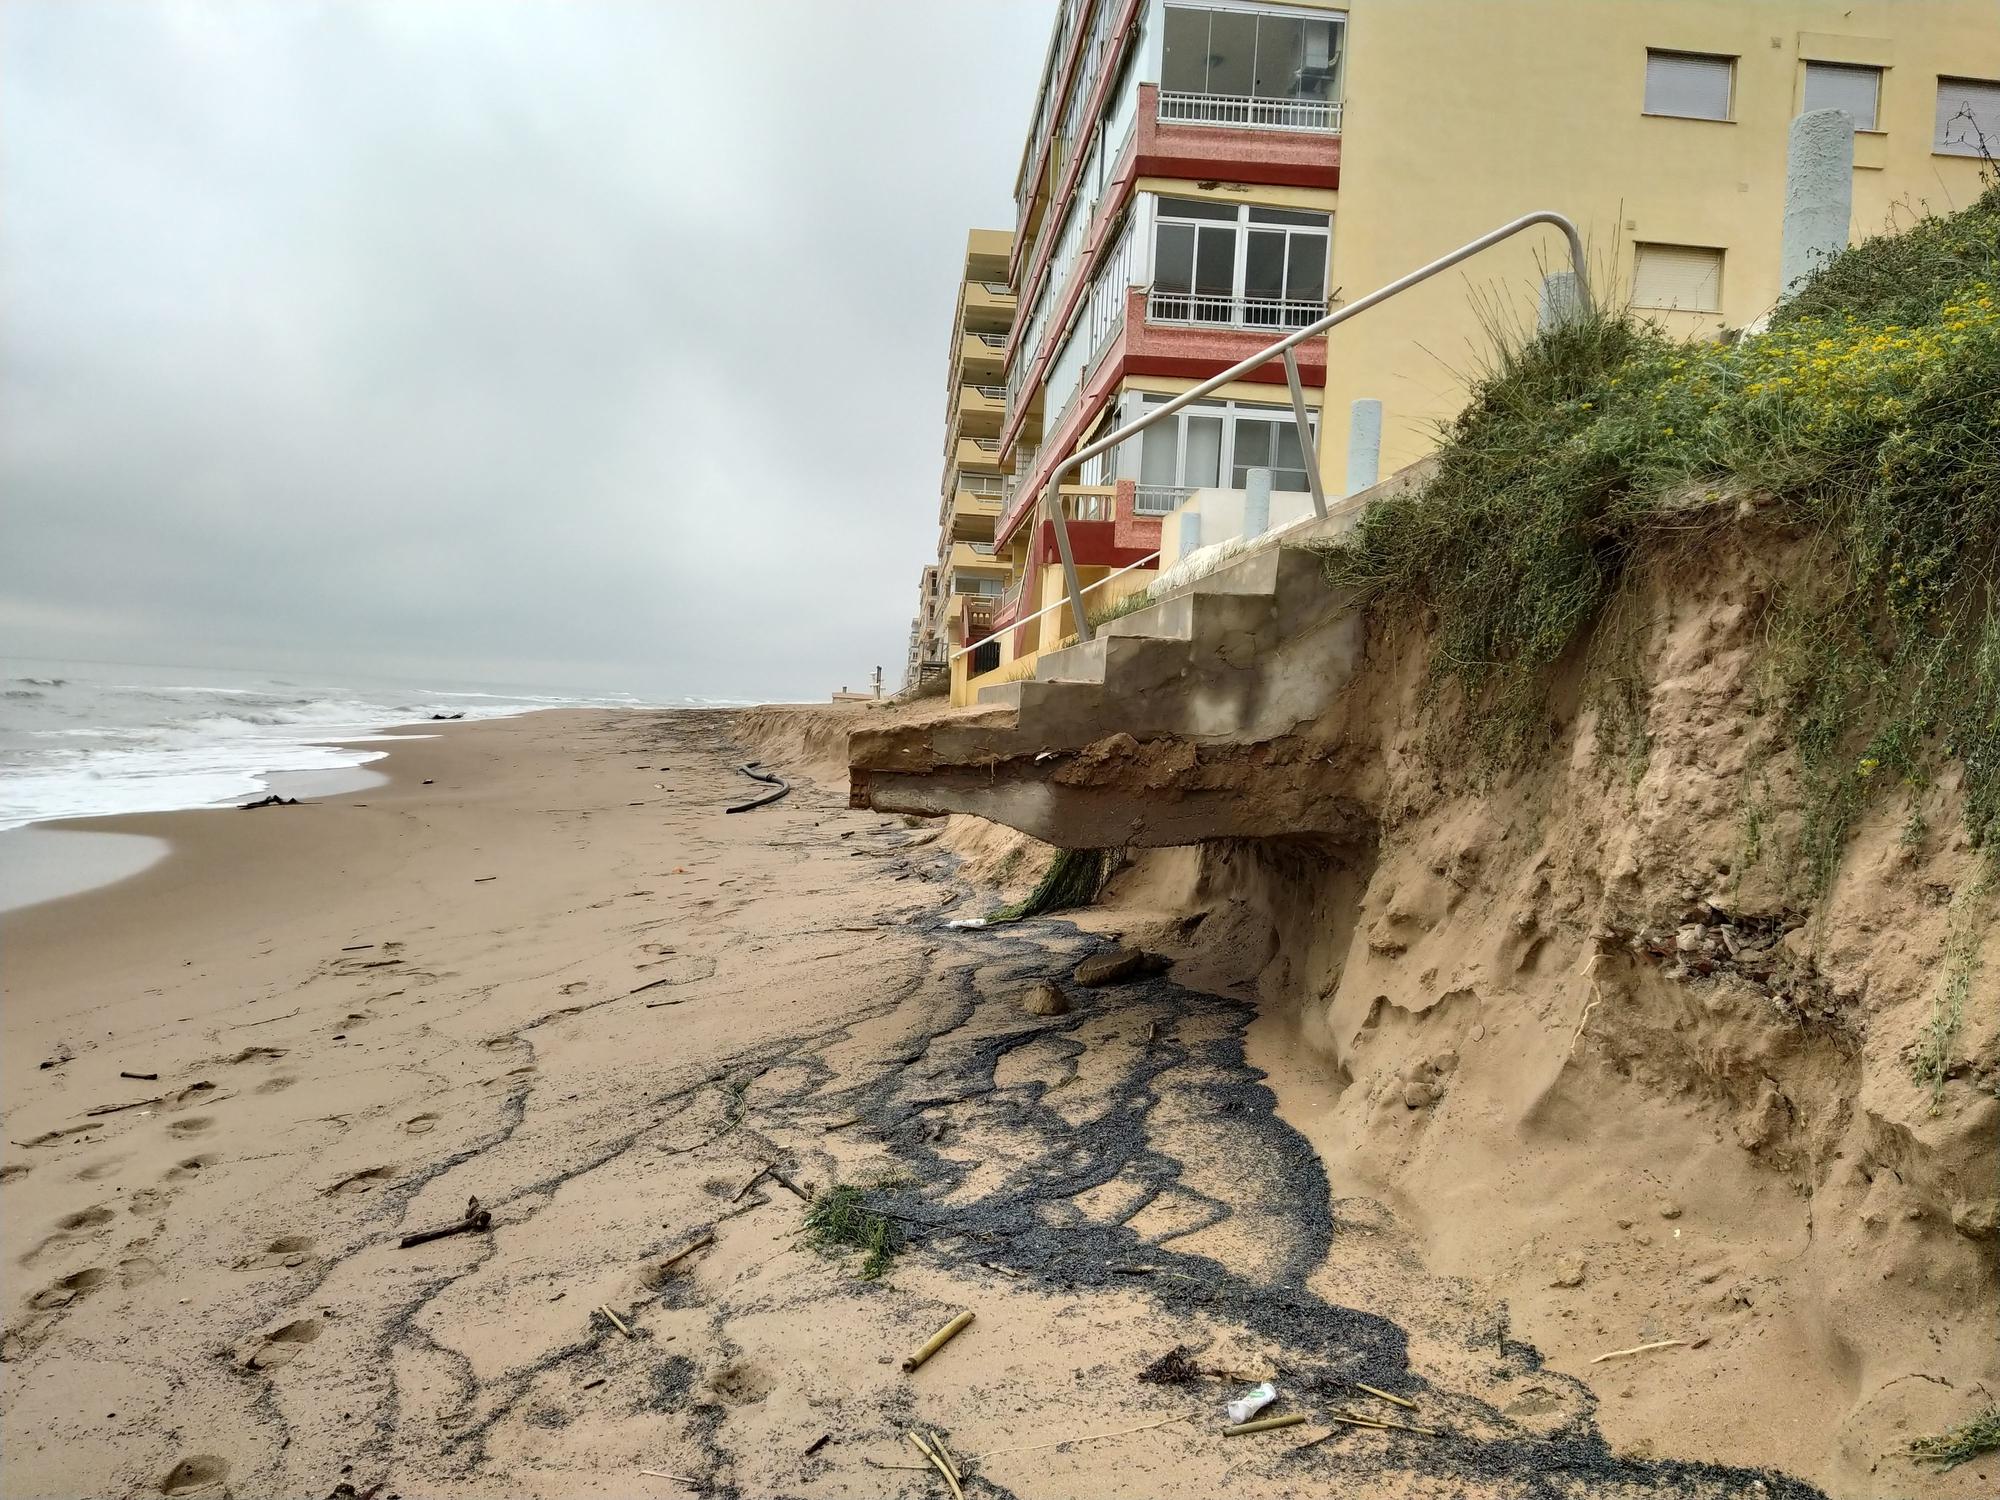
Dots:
{"x": 603, "y": 340}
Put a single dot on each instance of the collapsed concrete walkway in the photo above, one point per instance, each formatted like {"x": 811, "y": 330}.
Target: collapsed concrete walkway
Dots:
{"x": 1177, "y": 723}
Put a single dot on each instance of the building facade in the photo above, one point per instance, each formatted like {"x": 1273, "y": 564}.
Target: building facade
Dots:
{"x": 959, "y": 591}
{"x": 1198, "y": 178}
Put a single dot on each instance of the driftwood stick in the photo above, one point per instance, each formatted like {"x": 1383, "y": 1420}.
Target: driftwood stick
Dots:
{"x": 688, "y": 1249}
{"x": 937, "y": 1341}
{"x": 1263, "y": 1424}
{"x": 113, "y": 1109}
{"x": 469, "y": 1225}
{"x": 617, "y": 1322}
{"x": 1398, "y": 1400}
{"x": 938, "y": 1464}
{"x": 788, "y": 1185}
{"x": 142, "y": 1077}
{"x": 945, "y": 1454}
{"x": 1640, "y": 1349}
{"x": 1355, "y": 1419}
{"x": 1088, "y": 1437}
{"x": 759, "y": 1177}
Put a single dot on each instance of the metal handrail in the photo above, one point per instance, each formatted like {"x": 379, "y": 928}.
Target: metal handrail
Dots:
{"x": 1015, "y": 593}
{"x": 1283, "y": 349}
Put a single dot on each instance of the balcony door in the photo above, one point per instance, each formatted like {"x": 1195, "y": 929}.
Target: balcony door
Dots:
{"x": 1238, "y": 265}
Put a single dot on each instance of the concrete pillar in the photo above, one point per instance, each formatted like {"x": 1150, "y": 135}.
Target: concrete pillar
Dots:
{"x": 1256, "y": 502}
{"x": 1559, "y": 301}
{"x": 1190, "y": 530}
{"x": 1364, "y": 445}
{"x": 1819, "y": 195}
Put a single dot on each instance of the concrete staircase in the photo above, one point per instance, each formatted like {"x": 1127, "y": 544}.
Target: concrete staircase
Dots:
{"x": 1146, "y": 733}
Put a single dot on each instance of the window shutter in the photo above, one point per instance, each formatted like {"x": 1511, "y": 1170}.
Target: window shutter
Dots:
{"x": 1688, "y": 84}
{"x": 1834, "y": 86}
{"x": 1956, "y": 99}
{"x": 1683, "y": 278}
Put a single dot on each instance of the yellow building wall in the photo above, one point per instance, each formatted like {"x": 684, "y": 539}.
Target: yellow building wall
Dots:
{"x": 1462, "y": 114}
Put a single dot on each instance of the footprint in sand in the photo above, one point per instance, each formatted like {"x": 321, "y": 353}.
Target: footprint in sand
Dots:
{"x": 191, "y": 1166}
{"x": 500, "y": 1043}
{"x": 12, "y": 1170}
{"x": 138, "y": 1271}
{"x": 69, "y": 1289}
{"x": 193, "y": 1093}
{"x": 420, "y": 1124}
{"x": 575, "y": 987}
{"x": 258, "y": 1054}
{"x": 363, "y": 1182}
{"x": 70, "y": 1228}
{"x": 273, "y": 1351}
{"x": 275, "y": 1085}
{"x": 204, "y": 1471}
{"x": 146, "y": 1201}
{"x": 742, "y": 1383}
{"x": 98, "y": 1170}
{"x": 287, "y": 1252}
{"x": 193, "y": 1125}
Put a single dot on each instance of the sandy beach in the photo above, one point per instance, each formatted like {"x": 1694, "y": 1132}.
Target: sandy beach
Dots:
{"x": 541, "y": 967}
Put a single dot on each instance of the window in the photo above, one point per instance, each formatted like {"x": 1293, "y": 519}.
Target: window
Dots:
{"x": 1195, "y": 447}
{"x": 1241, "y": 54}
{"x": 1678, "y": 278}
{"x": 1843, "y": 87}
{"x": 1237, "y": 265}
{"x": 1689, "y": 85}
{"x": 1968, "y": 118}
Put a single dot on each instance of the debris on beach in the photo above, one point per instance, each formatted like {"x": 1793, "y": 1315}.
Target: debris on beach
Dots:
{"x": 1252, "y": 1401}
{"x": 1045, "y": 998}
{"x": 1119, "y": 965}
{"x": 475, "y": 1220}
{"x": 751, "y": 769}
{"x": 937, "y": 1341}
{"x": 274, "y": 800}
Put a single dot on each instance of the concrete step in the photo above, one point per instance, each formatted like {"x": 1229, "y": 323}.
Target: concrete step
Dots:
{"x": 1083, "y": 662}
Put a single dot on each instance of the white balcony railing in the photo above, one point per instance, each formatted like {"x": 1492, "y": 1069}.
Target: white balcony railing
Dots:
{"x": 984, "y": 549}
{"x": 1246, "y": 113}
{"x": 998, "y": 288}
{"x": 986, "y": 444}
{"x": 992, "y": 340}
{"x": 992, "y": 392}
{"x": 1160, "y": 499}
{"x": 989, "y": 485}
{"x": 1214, "y": 310}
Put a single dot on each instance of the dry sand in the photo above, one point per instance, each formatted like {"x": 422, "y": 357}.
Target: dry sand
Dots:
{"x": 542, "y": 968}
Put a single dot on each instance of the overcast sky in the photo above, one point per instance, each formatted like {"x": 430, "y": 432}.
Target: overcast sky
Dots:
{"x": 594, "y": 343}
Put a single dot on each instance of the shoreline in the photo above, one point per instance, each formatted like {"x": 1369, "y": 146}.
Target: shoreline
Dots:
{"x": 70, "y": 857}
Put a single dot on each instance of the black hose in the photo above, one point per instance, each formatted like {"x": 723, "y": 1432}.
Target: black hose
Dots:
{"x": 749, "y": 768}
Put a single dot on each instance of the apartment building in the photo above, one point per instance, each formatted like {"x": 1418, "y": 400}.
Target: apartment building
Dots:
{"x": 1199, "y": 177}
{"x": 960, "y": 590}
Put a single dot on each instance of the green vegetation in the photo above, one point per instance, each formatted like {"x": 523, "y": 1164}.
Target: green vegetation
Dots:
{"x": 1073, "y": 879}
{"x": 1866, "y": 422}
{"x": 1963, "y": 1443}
{"x": 839, "y": 1218}
{"x": 1117, "y": 609}
{"x": 1939, "y": 1037}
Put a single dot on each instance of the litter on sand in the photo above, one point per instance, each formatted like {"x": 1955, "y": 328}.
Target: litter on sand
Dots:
{"x": 1252, "y": 1401}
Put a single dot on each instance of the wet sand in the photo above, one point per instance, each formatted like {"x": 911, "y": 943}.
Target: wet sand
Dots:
{"x": 541, "y": 967}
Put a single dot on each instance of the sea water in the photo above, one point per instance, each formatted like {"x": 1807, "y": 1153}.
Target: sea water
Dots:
{"x": 85, "y": 739}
